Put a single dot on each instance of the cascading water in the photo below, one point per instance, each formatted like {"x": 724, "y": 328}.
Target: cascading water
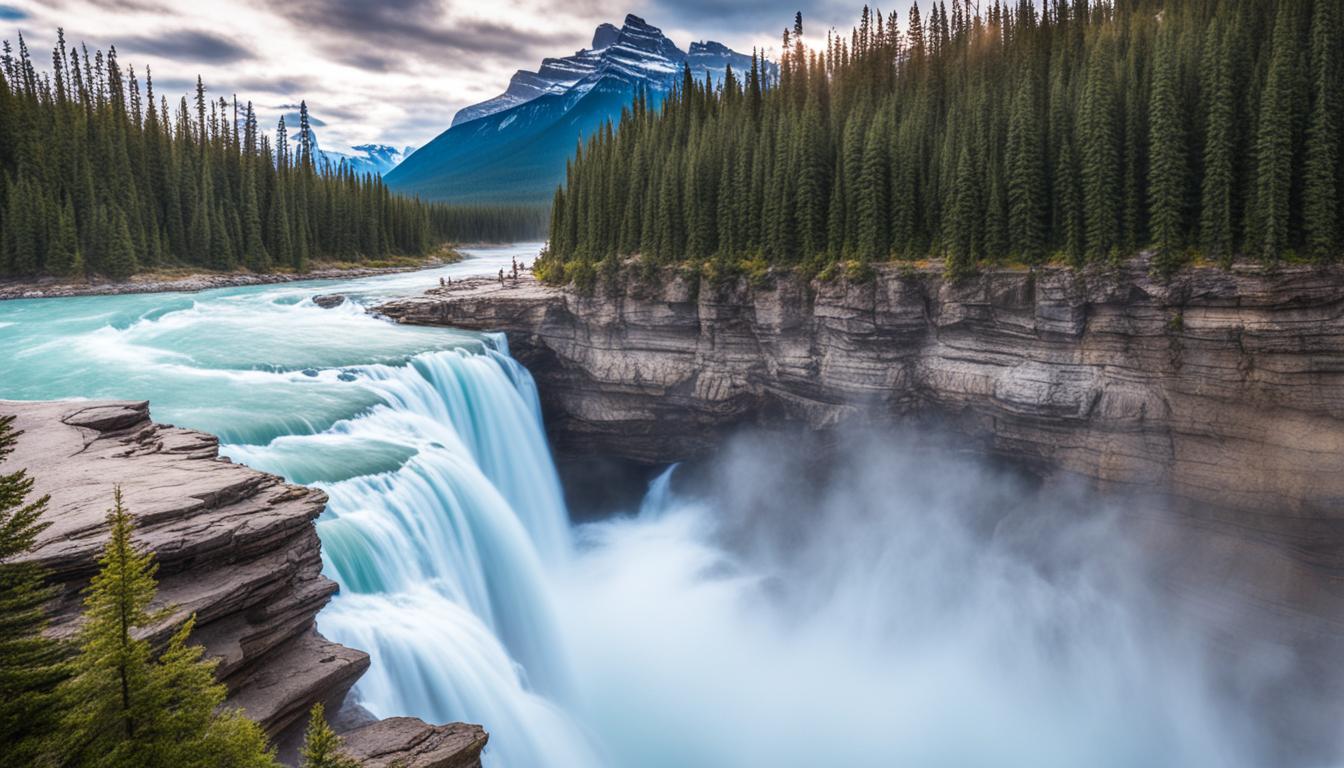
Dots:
{"x": 885, "y": 616}
{"x": 445, "y": 511}
{"x": 442, "y": 560}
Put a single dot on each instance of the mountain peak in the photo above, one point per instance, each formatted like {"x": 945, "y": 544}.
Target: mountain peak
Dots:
{"x": 606, "y": 35}
{"x": 514, "y": 147}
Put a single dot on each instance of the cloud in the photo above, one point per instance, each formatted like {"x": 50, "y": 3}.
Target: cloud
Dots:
{"x": 191, "y": 45}
{"x": 380, "y": 35}
{"x": 389, "y": 71}
{"x": 292, "y": 118}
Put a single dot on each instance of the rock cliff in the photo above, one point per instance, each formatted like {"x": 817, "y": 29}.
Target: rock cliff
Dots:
{"x": 234, "y": 546}
{"x": 1223, "y": 386}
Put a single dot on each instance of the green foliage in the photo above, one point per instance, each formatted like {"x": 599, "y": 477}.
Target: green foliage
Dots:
{"x": 1079, "y": 128}
{"x": 1168, "y": 174}
{"x": 321, "y": 745}
{"x": 30, "y": 665}
{"x": 127, "y": 707}
{"x": 1274, "y": 139}
{"x": 489, "y": 223}
{"x": 95, "y": 179}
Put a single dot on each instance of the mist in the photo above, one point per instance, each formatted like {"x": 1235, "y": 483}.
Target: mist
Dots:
{"x": 892, "y": 604}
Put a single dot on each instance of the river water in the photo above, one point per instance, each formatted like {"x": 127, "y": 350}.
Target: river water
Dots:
{"x": 870, "y": 618}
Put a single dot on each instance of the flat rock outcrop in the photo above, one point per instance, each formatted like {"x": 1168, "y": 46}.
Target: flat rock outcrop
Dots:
{"x": 235, "y": 546}
{"x": 1223, "y": 386}
{"x": 407, "y": 741}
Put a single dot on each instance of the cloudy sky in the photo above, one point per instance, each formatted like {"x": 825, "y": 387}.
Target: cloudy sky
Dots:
{"x": 391, "y": 72}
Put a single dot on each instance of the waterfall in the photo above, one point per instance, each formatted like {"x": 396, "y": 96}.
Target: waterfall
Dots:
{"x": 445, "y": 513}
{"x": 903, "y": 607}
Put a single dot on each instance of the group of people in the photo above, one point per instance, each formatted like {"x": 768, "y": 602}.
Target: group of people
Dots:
{"x": 518, "y": 267}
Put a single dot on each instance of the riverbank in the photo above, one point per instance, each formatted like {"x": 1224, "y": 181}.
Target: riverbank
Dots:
{"x": 191, "y": 281}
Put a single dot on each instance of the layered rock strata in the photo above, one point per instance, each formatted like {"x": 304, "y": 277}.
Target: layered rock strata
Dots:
{"x": 1220, "y": 390}
{"x": 1223, "y": 386}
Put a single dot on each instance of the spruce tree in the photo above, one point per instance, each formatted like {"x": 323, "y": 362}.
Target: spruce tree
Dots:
{"x": 125, "y": 707}
{"x": 1321, "y": 197}
{"x": 1167, "y": 180}
{"x": 31, "y": 665}
{"x": 1274, "y": 141}
{"x": 1100, "y": 168}
{"x": 962, "y": 211}
{"x": 873, "y": 209}
{"x": 321, "y": 745}
{"x": 1026, "y": 176}
{"x": 1216, "y": 194}
{"x": 1093, "y": 131}
{"x": 64, "y": 243}
{"x": 119, "y": 257}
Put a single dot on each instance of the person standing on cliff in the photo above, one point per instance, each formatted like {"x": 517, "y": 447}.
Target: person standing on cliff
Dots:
{"x": 501, "y": 275}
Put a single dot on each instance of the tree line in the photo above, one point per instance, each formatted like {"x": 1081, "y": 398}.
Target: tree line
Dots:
{"x": 109, "y": 698}
{"x": 98, "y": 176}
{"x": 1078, "y": 131}
{"x": 490, "y": 223}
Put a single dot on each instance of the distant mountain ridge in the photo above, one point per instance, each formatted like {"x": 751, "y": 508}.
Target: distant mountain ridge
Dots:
{"x": 372, "y": 158}
{"x": 513, "y": 148}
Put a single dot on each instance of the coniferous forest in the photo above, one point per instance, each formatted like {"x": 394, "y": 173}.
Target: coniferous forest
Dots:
{"x": 1083, "y": 132}
{"x": 101, "y": 176}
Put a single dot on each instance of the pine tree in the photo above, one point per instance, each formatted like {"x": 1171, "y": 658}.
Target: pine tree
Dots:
{"x": 1321, "y": 196}
{"x": 1216, "y": 195}
{"x": 124, "y": 707}
{"x": 30, "y": 664}
{"x": 1026, "y": 176}
{"x": 1098, "y": 152}
{"x": 64, "y": 244}
{"x": 873, "y": 208}
{"x": 321, "y": 745}
{"x": 119, "y": 259}
{"x": 254, "y": 250}
{"x": 962, "y": 210}
{"x": 20, "y": 238}
{"x": 1092, "y": 130}
{"x": 1274, "y": 140}
{"x": 1167, "y": 181}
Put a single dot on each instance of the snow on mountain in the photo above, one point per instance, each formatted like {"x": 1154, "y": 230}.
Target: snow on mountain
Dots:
{"x": 554, "y": 76}
{"x": 365, "y": 159}
{"x": 513, "y": 148}
{"x": 636, "y": 52}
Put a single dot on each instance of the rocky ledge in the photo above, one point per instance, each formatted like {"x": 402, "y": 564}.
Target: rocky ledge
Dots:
{"x": 235, "y": 546}
{"x": 1223, "y": 386}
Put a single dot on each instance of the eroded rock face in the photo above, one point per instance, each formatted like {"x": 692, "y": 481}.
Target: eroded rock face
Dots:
{"x": 1226, "y": 387}
{"x": 235, "y": 546}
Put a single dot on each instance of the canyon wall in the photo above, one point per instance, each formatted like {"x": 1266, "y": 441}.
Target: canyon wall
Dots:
{"x": 234, "y": 546}
{"x": 1214, "y": 402}
{"x": 1222, "y": 386}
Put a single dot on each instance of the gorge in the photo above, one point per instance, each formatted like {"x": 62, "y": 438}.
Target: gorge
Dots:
{"x": 854, "y": 596}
